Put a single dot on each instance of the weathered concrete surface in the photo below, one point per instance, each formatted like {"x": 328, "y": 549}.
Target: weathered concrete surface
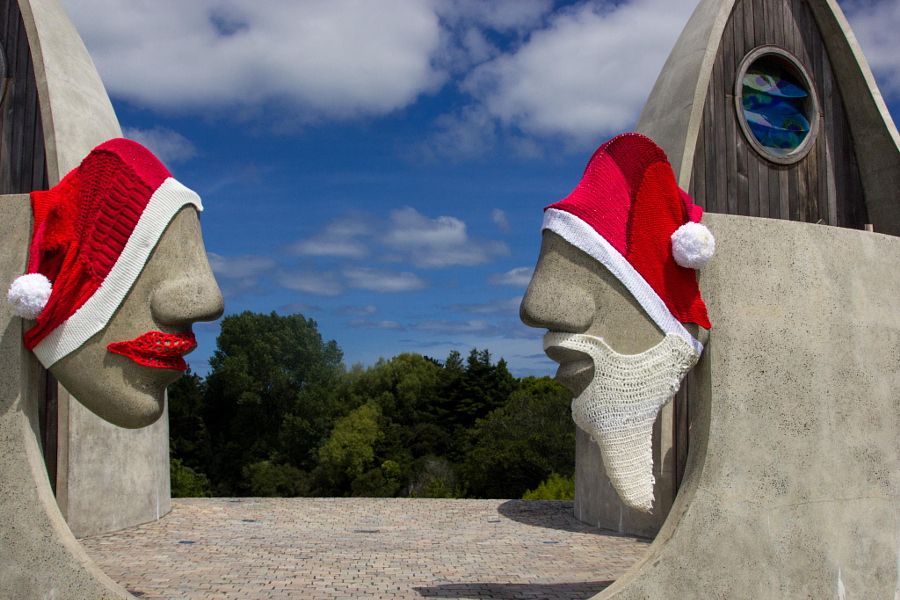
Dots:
{"x": 792, "y": 487}
{"x": 109, "y": 489}
{"x": 175, "y": 289}
{"x": 674, "y": 110}
{"x": 76, "y": 112}
{"x": 77, "y": 116}
{"x": 39, "y": 557}
{"x": 672, "y": 114}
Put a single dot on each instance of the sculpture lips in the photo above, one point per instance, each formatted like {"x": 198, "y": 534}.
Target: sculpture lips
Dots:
{"x": 157, "y": 349}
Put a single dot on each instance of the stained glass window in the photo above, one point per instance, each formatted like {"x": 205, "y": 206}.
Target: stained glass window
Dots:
{"x": 776, "y": 102}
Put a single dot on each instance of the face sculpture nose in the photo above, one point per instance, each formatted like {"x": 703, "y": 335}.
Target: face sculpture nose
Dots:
{"x": 189, "y": 293}
{"x": 556, "y": 299}
{"x": 572, "y": 292}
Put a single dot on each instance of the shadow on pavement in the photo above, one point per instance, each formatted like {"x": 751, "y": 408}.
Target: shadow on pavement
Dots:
{"x": 554, "y": 514}
{"x": 517, "y": 591}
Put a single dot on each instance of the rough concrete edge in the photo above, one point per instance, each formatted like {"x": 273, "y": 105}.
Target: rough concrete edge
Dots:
{"x": 674, "y": 110}
{"x": 872, "y": 128}
{"x": 690, "y": 483}
{"x": 64, "y": 537}
{"x": 77, "y": 569}
{"x": 76, "y": 112}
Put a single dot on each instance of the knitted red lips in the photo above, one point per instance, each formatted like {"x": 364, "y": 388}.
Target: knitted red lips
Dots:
{"x": 157, "y": 349}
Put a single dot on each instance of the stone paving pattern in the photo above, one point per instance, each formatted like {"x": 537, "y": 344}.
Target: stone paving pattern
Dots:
{"x": 349, "y": 548}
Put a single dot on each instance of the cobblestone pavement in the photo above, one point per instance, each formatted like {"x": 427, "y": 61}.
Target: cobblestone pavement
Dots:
{"x": 336, "y": 548}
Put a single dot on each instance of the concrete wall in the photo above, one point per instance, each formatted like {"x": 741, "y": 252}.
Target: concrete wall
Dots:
{"x": 792, "y": 488}
{"x": 113, "y": 477}
{"x": 39, "y": 557}
{"x": 108, "y": 478}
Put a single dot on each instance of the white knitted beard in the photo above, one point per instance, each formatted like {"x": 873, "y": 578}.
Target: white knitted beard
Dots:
{"x": 620, "y": 405}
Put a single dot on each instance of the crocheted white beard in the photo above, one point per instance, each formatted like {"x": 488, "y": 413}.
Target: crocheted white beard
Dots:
{"x": 620, "y": 405}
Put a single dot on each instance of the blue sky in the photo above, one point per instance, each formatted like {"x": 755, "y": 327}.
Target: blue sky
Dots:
{"x": 381, "y": 167}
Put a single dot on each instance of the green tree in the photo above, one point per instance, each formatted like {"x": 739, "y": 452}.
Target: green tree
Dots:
{"x": 519, "y": 445}
{"x": 478, "y": 389}
{"x": 267, "y": 480}
{"x": 268, "y": 394}
{"x": 350, "y": 450}
{"x": 556, "y": 487}
{"x": 189, "y": 440}
{"x": 187, "y": 483}
{"x": 405, "y": 391}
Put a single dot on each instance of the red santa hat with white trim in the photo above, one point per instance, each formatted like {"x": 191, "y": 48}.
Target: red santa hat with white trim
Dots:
{"x": 629, "y": 213}
{"x": 92, "y": 235}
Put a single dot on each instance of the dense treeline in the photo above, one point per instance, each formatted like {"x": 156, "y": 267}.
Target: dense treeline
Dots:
{"x": 280, "y": 415}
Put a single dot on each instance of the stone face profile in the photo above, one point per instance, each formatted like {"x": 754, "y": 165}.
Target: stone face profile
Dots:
{"x": 175, "y": 289}
{"x": 119, "y": 241}
{"x": 615, "y": 300}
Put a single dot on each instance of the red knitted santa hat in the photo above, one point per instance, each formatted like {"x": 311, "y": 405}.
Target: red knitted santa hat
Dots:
{"x": 628, "y": 213}
{"x": 92, "y": 235}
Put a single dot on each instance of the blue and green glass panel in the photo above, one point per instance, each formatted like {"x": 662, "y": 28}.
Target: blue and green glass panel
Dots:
{"x": 775, "y": 108}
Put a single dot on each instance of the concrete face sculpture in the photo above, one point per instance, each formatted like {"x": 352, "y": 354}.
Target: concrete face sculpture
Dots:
{"x": 115, "y": 332}
{"x": 175, "y": 289}
{"x": 613, "y": 286}
{"x": 113, "y": 306}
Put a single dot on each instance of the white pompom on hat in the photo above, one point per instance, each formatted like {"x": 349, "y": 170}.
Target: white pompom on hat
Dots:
{"x": 693, "y": 245}
{"x": 28, "y": 295}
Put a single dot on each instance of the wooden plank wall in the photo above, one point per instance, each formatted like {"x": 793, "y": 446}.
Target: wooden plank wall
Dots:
{"x": 730, "y": 177}
{"x": 22, "y": 158}
{"x": 22, "y": 170}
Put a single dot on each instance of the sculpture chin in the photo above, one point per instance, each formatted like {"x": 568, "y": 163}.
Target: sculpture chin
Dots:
{"x": 576, "y": 369}
{"x": 122, "y": 392}
{"x": 576, "y": 375}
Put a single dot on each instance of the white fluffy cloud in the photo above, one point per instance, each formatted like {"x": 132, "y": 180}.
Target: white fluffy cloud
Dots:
{"x": 355, "y": 311}
{"x": 318, "y": 283}
{"x": 383, "y": 280}
{"x": 587, "y": 74}
{"x": 438, "y": 243}
{"x": 232, "y": 267}
{"x": 369, "y": 324}
{"x": 520, "y": 277}
{"x": 576, "y": 73}
{"x": 299, "y": 307}
{"x": 506, "y": 306}
{"x": 500, "y": 219}
{"x": 479, "y": 327}
{"x": 405, "y": 236}
{"x": 876, "y": 24}
{"x": 339, "y": 239}
{"x": 445, "y": 327}
{"x": 336, "y": 59}
{"x": 238, "y": 275}
{"x": 169, "y": 146}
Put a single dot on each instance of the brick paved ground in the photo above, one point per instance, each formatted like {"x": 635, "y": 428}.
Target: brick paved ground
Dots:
{"x": 330, "y": 548}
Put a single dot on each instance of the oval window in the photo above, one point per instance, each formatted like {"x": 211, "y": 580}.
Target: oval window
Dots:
{"x": 776, "y": 105}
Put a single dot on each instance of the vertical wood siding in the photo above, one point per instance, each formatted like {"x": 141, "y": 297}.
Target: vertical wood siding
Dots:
{"x": 23, "y": 170}
{"x": 22, "y": 159}
{"x": 729, "y": 176}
